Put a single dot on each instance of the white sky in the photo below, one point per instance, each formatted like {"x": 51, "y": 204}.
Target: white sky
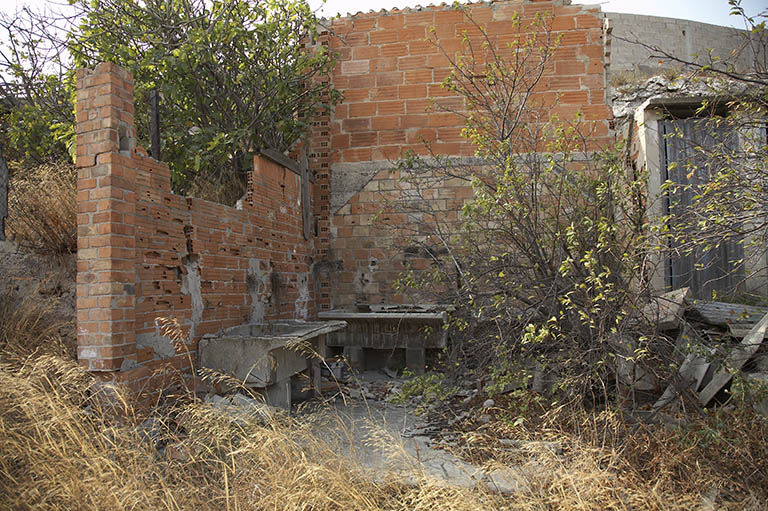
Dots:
{"x": 708, "y": 11}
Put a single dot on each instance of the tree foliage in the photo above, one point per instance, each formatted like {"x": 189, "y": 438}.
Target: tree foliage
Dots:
{"x": 233, "y": 76}
{"x": 36, "y": 90}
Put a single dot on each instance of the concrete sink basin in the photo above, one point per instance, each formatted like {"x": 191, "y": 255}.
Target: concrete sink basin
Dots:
{"x": 266, "y": 355}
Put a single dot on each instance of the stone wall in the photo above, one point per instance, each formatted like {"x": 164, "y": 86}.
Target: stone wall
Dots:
{"x": 391, "y": 74}
{"x": 146, "y": 253}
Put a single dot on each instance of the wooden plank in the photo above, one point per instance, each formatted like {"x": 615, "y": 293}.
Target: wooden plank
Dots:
{"x": 725, "y": 314}
{"x": 343, "y": 315}
{"x": 682, "y": 381}
{"x": 692, "y": 371}
{"x": 282, "y": 159}
{"x": 735, "y": 361}
{"x": 154, "y": 124}
{"x": 739, "y": 330}
{"x": 666, "y": 311}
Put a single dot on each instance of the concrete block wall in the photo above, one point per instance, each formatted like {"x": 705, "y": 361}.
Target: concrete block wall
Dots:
{"x": 390, "y": 75}
{"x": 145, "y": 253}
{"x": 681, "y": 38}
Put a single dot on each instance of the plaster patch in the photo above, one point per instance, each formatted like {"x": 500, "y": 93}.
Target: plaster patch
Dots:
{"x": 257, "y": 281}
{"x": 302, "y": 302}
{"x": 190, "y": 285}
{"x": 160, "y": 344}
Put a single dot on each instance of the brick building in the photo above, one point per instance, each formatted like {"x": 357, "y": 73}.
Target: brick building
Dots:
{"x": 298, "y": 245}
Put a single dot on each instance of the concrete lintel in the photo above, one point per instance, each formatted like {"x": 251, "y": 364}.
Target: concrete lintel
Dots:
{"x": 437, "y": 316}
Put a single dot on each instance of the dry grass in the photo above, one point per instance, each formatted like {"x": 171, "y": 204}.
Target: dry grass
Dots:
{"x": 65, "y": 448}
{"x": 71, "y": 442}
{"x": 42, "y": 208}
{"x": 612, "y": 461}
{"x": 26, "y": 329}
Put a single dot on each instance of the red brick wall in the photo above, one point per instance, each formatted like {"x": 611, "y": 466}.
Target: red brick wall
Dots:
{"x": 389, "y": 76}
{"x": 144, "y": 252}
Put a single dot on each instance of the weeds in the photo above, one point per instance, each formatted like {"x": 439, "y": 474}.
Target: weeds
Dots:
{"x": 429, "y": 387}
{"x": 42, "y": 208}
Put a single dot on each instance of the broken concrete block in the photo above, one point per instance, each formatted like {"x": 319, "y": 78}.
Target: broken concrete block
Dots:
{"x": 666, "y": 311}
{"x": 628, "y": 371}
{"x": 261, "y": 354}
{"x": 278, "y": 395}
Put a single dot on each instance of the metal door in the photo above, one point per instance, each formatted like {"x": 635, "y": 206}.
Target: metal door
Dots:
{"x": 686, "y": 162}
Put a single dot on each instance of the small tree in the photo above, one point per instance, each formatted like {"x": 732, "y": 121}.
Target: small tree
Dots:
{"x": 547, "y": 260}
{"x": 36, "y": 90}
{"x": 234, "y": 76}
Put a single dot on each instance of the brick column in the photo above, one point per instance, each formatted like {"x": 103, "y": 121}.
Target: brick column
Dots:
{"x": 106, "y": 240}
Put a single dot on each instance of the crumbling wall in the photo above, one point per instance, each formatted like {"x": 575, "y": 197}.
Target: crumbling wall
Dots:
{"x": 146, "y": 253}
{"x": 390, "y": 75}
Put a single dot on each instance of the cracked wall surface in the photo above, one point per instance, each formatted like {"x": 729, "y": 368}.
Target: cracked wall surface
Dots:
{"x": 146, "y": 253}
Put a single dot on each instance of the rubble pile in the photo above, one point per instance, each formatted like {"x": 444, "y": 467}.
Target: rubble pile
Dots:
{"x": 713, "y": 342}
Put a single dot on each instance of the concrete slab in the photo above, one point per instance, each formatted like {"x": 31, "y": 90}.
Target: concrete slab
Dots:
{"x": 371, "y": 433}
{"x": 666, "y": 310}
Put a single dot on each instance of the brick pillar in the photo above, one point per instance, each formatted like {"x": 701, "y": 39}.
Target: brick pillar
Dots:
{"x": 106, "y": 241}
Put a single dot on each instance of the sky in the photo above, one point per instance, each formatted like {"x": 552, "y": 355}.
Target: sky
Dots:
{"x": 707, "y": 11}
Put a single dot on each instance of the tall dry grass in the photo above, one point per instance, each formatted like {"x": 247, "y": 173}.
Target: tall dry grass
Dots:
{"x": 66, "y": 447}
{"x": 70, "y": 441}
{"x": 42, "y": 208}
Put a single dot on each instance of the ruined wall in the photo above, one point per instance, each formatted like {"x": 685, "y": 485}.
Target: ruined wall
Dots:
{"x": 144, "y": 252}
{"x": 390, "y": 75}
{"x": 681, "y": 38}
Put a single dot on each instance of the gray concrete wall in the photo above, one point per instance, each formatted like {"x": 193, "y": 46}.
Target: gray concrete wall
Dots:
{"x": 681, "y": 38}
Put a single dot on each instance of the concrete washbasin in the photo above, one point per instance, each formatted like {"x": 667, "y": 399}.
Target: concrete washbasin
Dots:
{"x": 266, "y": 356}
{"x": 412, "y": 328}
